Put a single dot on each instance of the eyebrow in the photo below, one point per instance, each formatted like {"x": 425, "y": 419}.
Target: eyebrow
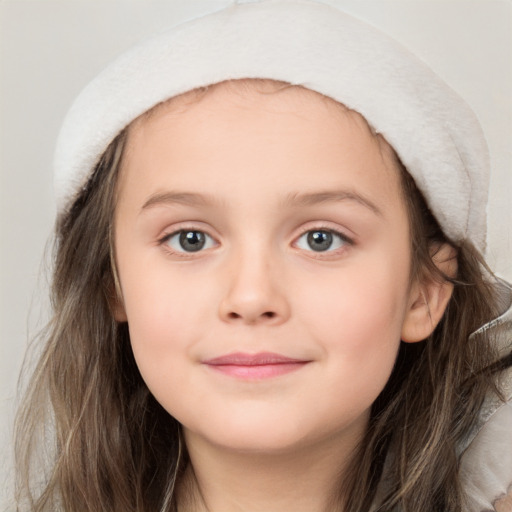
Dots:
{"x": 185, "y": 198}
{"x": 292, "y": 199}
{"x": 312, "y": 199}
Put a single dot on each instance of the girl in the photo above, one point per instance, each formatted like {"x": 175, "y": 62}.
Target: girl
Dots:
{"x": 269, "y": 292}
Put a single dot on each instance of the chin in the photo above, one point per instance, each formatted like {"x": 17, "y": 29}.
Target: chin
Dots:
{"x": 265, "y": 436}
{"x": 252, "y": 444}
{"x": 247, "y": 433}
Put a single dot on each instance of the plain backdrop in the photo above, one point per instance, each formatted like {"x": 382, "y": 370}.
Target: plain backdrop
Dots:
{"x": 50, "y": 49}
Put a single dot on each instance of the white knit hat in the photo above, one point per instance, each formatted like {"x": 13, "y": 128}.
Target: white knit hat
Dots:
{"x": 308, "y": 43}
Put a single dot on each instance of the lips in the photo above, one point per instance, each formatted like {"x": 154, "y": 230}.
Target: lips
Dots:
{"x": 255, "y": 366}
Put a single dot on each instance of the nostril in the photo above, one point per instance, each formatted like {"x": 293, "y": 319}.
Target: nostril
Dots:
{"x": 267, "y": 314}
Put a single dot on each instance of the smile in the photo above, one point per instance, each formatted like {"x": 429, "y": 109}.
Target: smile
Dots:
{"x": 255, "y": 366}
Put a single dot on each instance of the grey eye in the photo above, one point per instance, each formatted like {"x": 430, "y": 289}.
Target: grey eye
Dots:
{"x": 189, "y": 241}
{"x": 321, "y": 240}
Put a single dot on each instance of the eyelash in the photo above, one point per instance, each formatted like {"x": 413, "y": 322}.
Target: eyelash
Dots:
{"x": 343, "y": 240}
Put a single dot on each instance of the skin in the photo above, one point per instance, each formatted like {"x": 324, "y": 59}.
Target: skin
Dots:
{"x": 504, "y": 504}
{"x": 263, "y": 166}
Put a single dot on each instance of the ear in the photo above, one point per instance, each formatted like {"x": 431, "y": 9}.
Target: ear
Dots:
{"x": 429, "y": 297}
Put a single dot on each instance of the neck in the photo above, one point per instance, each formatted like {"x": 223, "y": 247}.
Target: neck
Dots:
{"x": 304, "y": 479}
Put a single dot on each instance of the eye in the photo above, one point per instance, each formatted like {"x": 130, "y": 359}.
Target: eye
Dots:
{"x": 188, "y": 240}
{"x": 321, "y": 240}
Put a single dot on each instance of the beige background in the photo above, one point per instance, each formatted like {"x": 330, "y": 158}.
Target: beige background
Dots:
{"x": 50, "y": 49}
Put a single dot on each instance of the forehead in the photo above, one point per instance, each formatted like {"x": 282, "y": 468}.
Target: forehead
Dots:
{"x": 269, "y": 124}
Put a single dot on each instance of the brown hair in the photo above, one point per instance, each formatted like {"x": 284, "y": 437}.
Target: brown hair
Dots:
{"x": 114, "y": 447}
{"x": 433, "y": 397}
{"x": 110, "y": 446}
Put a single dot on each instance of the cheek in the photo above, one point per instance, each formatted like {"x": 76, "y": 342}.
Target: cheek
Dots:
{"x": 170, "y": 314}
{"x": 357, "y": 322}
{"x": 362, "y": 301}
{"x": 161, "y": 320}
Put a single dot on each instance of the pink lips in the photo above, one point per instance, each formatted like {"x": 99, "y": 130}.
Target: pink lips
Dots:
{"x": 254, "y": 366}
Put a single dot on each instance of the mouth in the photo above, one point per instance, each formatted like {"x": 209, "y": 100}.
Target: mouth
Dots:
{"x": 263, "y": 365}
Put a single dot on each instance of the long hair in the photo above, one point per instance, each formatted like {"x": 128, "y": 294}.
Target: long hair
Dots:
{"x": 433, "y": 397}
{"x": 110, "y": 446}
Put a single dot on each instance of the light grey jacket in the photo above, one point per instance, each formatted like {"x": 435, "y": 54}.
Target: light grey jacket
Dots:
{"x": 486, "y": 456}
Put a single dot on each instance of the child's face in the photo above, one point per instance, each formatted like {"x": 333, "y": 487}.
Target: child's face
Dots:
{"x": 252, "y": 223}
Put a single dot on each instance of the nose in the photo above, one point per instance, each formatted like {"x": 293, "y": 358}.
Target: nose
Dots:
{"x": 254, "y": 292}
